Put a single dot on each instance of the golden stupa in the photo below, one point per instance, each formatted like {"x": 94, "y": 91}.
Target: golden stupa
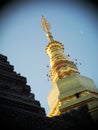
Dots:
{"x": 70, "y": 89}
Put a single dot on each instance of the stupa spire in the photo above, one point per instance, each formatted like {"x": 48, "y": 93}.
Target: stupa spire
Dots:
{"x": 46, "y": 28}
{"x": 61, "y": 66}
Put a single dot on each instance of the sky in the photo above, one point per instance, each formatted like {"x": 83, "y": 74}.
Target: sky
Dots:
{"x": 22, "y": 40}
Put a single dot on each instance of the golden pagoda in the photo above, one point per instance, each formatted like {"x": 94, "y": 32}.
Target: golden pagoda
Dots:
{"x": 70, "y": 89}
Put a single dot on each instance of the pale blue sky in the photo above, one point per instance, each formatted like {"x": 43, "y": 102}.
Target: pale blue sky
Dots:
{"x": 23, "y": 41}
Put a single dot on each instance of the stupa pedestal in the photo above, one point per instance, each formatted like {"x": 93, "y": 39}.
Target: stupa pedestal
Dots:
{"x": 71, "y": 92}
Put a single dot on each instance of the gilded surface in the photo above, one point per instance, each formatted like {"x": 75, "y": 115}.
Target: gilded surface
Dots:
{"x": 45, "y": 24}
{"x": 70, "y": 89}
{"x": 61, "y": 66}
{"x": 46, "y": 28}
{"x": 73, "y": 91}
